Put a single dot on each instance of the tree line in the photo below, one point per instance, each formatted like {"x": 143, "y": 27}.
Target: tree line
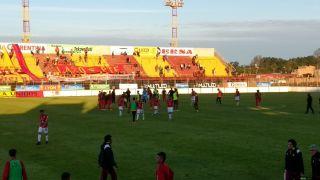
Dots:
{"x": 264, "y": 65}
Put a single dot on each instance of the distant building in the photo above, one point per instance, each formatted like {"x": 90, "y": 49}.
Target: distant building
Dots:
{"x": 305, "y": 71}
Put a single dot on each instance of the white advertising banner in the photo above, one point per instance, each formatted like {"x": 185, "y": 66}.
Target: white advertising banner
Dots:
{"x": 176, "y": 51}
{"x": 237, "y": 84}
{"x": 122, "y": 50}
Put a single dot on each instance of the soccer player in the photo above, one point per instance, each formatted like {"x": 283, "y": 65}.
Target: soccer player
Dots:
{"x": 258, "y": 98}
{"x": 294, "y": 168}
{"x": 196, "y": 102}
{"x": 237, "y": 97}
{"x": 163, "y": 171}
{"x": 219, "y": 97}
{"x": 121, "y": 104}
{"x": 14, "y": 169}
{"x": 43, "y": 127}
{"x": 144, "y": 95}
{"x": 156, "y": 104}
{"x": 109, "y": 100}
{"x": 100, "y": 100}
{"x": 133, "y": 108}
{"x": 309, "y": 104}
{"x": 175, "y": 99}
{"x": 164, "y": 95}
{"x": 140, "y": 111}
{"x": 193, "y": 97}
{"x": 106, "y": 160}
{"x": 170, "y": 108}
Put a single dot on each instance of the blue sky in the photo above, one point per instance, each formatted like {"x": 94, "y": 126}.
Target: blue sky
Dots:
{"x": 238, "y": 29}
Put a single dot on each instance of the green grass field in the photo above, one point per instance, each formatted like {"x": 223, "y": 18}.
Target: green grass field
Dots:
{"x": 219, "y": 142}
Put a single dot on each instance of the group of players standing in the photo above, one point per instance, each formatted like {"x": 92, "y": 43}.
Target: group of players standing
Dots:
{"x": 136, "y": 104}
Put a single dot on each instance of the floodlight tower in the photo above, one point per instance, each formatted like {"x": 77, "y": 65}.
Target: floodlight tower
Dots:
{"x": 174, "y": 4}
{"x": 26, "y": 21}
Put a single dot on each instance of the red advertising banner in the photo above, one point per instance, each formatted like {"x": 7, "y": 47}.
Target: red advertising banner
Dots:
{"x": 29, "y": 94}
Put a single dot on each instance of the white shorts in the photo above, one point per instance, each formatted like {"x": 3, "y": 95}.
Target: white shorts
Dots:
{"x": 121, "y": 108}
{"x": 43, "y": 130}
{"x": 237, "y": 98}
{"x": 170, "y": 109}
{"x": 140, "y": 111}
{"x": 155, "y": 107}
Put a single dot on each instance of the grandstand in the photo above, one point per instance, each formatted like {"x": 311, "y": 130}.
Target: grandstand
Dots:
{"x": 24, "y": 63}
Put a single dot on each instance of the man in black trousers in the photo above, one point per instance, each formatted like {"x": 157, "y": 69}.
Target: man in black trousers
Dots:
{"x": 106, "y": 160}
{"x": 309, "y": 104}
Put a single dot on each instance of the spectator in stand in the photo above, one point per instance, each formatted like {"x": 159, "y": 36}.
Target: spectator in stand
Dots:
{"x": 32, "y": 53}
{"x": 38, "y": 50}
{"x": 66, "y": 176}
{"x": 43, "y": 49}
{"x": 62, "y": 51}
{"x": 128, "y": 60}
{"x": 99, "y": 61}
{"x": 57, "y": 50}
{"x": 14, "y": 169}
{"x": 37, "y": 62}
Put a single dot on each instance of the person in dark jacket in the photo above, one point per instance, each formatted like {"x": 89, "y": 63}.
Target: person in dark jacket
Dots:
{"x": 315, "y": 162}
{"x": 309, "y": 104}
{"x": 106, "y": 160}
{"x": 294, "y": 168}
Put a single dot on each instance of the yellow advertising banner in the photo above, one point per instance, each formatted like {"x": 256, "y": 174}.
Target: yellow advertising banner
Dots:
{"x": 7, "y": 94}
{"x": 204, "y": 52}
{"x": 146, "y": 51}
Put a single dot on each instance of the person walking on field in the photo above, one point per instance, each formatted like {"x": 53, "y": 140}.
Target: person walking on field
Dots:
{"x": 237, "y": 97}
{"x": 294, "y": 168}
{"x": 106, "y": 160}
{"x": 309, "y": 104}
{"x": 14, "y": 169}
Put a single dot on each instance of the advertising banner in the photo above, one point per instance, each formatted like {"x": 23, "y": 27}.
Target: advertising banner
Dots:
{"x": 146, "y": 51}
{"x": 205, "y": 85}
{"x": 176, "y": 51}
{"x": 156, "y": 86}
{"x": 121, "y": 50}
{"x": 28, "y": 88}
{"x": 5, "y": 88}
{"x": 71, "y": 87}
{"x": 128, "y": 86}
{"x": 7, "y": 94}
{"x": 182, "y": 85}
{"x": 237, "y": 84}
{"x": 264, "y": 84}
{"x": 50, "y": 87}
{"x": 29, "y": 94}
{"x": 99, "y": 87}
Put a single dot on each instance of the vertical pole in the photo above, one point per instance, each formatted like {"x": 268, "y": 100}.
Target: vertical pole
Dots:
{"x": 174, "y": 41}
{"x": 26, "y": 21}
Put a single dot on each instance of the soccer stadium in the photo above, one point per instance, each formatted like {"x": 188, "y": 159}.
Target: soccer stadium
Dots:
{"x": 92, "y": 111}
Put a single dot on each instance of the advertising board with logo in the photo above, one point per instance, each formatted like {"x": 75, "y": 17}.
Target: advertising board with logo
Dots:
{"x": 264, "y": 84}
{"x": 5, "y": 88}
{"x": 99, "y": 87}
{"x": 7, "y": 94}
{"x": 182, "y": 85}
{"x": 50, "y": 87}
{"x": 176, "y": 51}
{"x": 146, "y": 51}
{"x": 72, "y": 87}
{"x": 28, "y": 88}
{"x": 156, "y": 86}
{"x": 29, "y": 94}
{"x": 237, "y": 84}
{"x": 128, "y": 86}
{"x": 205, "y": 85}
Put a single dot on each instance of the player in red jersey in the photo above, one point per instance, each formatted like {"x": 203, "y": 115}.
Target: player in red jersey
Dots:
{"x": 140, "y": 110}
{"x": 43, "y": 127}
{"x": 258, "y": 98}
{"x": 109, "y": 100}
{"x": 121, "y": 104}
{"x": 100, "y": 100}
{"x": 237, "y": 97}
{"x": 170, "y": 108}
{"x": 156, "y": 105}
{"x": 163, "y": 171}
{"x": 219, "y": 97}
